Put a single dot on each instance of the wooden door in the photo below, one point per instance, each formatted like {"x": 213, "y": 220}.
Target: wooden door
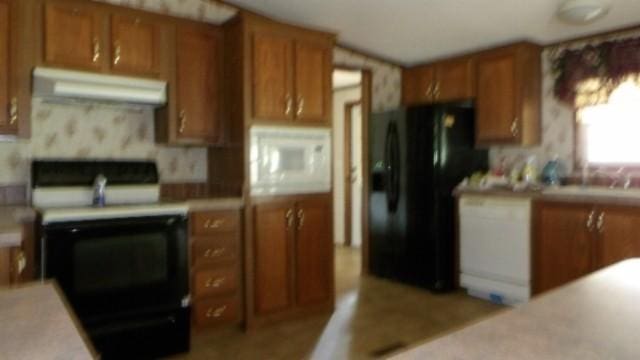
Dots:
{"x": 454, "y": 80}
{"x": 312, "y": 77}
{"x": 73, "y": 35}
{"x": 418, "y": 85}
{"x": 619, "y": 235}
{"x": 198, "y": 78}
{"x": 5, "y": 35}
{"x": 134, "y": 45}
{"x": 314, "y": 251}
{"x": 273, "y": 97}
{"x": 496, "y": 119}
{"x": 273, "y": 246}
{"x": 563, "y": 248}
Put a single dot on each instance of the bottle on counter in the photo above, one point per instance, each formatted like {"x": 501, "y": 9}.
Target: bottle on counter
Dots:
{"x": 551, "y": 173}
{"x": 530, "y": 171}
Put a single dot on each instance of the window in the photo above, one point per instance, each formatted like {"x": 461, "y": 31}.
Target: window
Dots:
{"x": 610, "y": 132}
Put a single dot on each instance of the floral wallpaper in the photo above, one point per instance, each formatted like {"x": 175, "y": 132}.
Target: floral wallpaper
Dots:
{"x": 97, "y": 131}
{"x": 386, "y": 78}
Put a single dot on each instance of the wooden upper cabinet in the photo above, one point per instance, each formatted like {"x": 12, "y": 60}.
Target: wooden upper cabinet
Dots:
{"x": 618, "y": 229}
{"x": 418, "y": 85}
{"x": 313, "y": 251}
{"x": 311, "y": 81}
{"x": 73, "y": 35}
{"x": 563, "y": 246}
{"x": 454, "y": 80}
{"x": 508, "y": 96}
{"x": 444, "y": 81}
{"x": 5, "y": 116}
{"x": 273, "y": 245}
{"x": 272, "y": 77}
{"x": 199, "y": 67}
{"x": 134, "y": 45}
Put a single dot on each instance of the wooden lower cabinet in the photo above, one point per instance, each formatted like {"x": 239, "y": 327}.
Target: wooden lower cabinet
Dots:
{"x": 215, "y": 268}
{"x": 573, "y": 240}
{"x": 293, "y": 254}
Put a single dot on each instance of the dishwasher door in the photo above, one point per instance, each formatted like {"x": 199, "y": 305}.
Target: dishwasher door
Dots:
{"x": 495, "y": 238}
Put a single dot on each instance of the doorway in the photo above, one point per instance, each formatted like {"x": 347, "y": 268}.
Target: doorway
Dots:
{"x": 351, "y": 108}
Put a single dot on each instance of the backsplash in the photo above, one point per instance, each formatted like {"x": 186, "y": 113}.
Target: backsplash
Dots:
{"x": 386, "y": 78}
{"x": 97, "y": 131}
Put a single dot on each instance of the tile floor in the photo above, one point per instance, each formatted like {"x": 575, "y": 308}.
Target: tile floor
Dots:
{"x": 371, "y": 316}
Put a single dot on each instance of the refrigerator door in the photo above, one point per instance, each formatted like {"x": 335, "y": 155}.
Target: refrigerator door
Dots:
{"x": 387, "y": 214}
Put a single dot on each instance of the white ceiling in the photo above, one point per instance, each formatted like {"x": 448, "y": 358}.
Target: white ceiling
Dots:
{"x": 346, "y": 78}
{"x": 410, "y": 31}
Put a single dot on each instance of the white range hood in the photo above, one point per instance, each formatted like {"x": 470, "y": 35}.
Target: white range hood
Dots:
{"x": 76, "y": 85}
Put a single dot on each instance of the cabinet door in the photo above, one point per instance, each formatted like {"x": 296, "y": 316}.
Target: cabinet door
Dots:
{"x": 563, "y": 245}
{"x": 72, "y": 35}
{"x": 198, "y": 76}
{"x": 618, "y": 240}
{"x": 454, "y": 80}
{"x": 312, "y": 77}
{"x": 418, "y": 85}
{"x": 134, "y": 45}
{"x": 314, "y": 251}
{"x": 272, "y": 77}
{"x": 5, "y": 118}
{"x": 496, "y": 119}
{"x": 273, "y": 241}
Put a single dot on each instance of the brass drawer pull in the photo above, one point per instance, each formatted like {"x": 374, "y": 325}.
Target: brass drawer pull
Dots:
{"x": 215, "y": 282}
{"x": 300, "y": 219}
{"x": 183, "y": 121}
{"x": 13, "y": 111}
{"x": 96, "y": 49}
{"x": 117, "y": 53}
{"x": 217, "y": 312}
{"x": 300, "y": 106}
{"x": 288, "y": 106}
{"x": 211, "y": 253}
{"x": 213, "y": 224}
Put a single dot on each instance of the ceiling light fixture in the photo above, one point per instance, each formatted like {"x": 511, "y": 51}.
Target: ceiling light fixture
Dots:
{"x": 579, "y": 12}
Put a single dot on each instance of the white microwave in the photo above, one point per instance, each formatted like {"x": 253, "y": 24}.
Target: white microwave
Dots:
{"x": 287, "y": 160}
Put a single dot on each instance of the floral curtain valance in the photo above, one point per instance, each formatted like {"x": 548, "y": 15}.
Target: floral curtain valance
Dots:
{"x": 586, "y": 76}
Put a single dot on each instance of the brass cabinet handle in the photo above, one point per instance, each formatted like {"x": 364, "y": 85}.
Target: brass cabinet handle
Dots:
{"x": 515, "y": 127}
{"x": 117, "y": 52}
{"x": 13, "y": 111}
{"x": 600, "y": 222}
{"x": 429, "y": 91}
{"x": 183, "y": 120}
{"x": 288, "y": 104}
{"x": 213, "y": 224}
{"x": 436, "y": 91}
{"x": 217, "y": 312}
{"x": 96, "y": 49}
{"x": 300, "y": 219}
{"x": 212, "y": 253}
{"x": 300, "y": 106}
{"x": 590, "y": 220}
{"x": 20, "y": 263}
{"x": 215, "y": 282}
{"x": 289, "y": 218}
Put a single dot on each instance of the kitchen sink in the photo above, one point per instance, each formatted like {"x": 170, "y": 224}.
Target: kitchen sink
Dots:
{"x": 579, "y": 190}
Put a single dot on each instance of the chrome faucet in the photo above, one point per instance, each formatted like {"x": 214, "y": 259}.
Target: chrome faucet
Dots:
{"x": 99, "y": 188}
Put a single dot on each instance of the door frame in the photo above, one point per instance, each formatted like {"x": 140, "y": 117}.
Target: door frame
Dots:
{"x": 365, "y": 100}
{"x": 348, "y": 143}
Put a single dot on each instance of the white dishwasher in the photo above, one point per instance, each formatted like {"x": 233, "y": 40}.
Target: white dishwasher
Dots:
{"x": 495, "y": 238}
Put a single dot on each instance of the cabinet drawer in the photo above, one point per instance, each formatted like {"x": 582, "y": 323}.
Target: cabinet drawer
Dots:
{"x": 214, "y": 282}
{"x": 221, "y": 248}
{"x": 212, "y": 222}
{"x": 216, "y": 311}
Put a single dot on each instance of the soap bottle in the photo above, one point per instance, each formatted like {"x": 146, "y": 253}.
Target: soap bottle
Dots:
{"x": 530, "y": 171}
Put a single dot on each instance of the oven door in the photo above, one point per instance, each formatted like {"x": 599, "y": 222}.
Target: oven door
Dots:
{"x": 113, "y": 267}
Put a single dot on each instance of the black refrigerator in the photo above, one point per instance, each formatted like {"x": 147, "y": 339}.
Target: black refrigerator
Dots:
{"x": 417, "y": 157}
